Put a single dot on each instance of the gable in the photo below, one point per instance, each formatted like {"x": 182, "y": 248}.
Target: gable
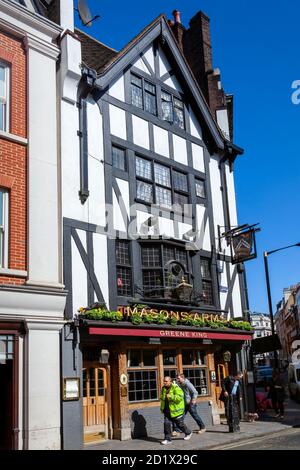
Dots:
{"x": 141, "y": 55}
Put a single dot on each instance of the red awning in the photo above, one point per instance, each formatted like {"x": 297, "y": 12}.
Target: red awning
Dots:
{"x": 161, "y": 333}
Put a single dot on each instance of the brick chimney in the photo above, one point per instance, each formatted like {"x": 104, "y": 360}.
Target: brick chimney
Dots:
{"x": 177, "y": 28}
{"x": 195, "y": 43}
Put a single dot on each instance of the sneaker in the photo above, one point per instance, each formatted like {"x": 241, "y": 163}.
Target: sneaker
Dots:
{"x": 188, "y": 436}
{"x": 201, "y": 431}
{"x": 281, "y": 417}
{"x": 166, "y": 442}
{"x": 175, "y": 433}
{"x": 278, "y": 415}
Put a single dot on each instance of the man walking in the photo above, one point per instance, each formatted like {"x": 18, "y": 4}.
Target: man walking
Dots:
{"x": 190, "y": 398}
{"x": 231, "y": 397}
{"x": 172, "y": 406}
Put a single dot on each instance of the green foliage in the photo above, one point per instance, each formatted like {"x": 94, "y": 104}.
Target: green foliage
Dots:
{"x": 160, "y": 319}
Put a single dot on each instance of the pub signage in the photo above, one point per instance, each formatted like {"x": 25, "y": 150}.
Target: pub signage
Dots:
{"x": 169, "y": 314}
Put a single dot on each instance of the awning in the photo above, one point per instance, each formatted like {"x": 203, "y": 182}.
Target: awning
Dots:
{"x": 266, "y": 344}
{"x": 170, "y": 334}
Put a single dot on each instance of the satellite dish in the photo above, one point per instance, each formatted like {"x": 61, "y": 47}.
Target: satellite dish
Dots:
{"x": 85, "y": 14}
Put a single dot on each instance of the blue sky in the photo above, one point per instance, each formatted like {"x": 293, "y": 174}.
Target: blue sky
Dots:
{"x": 255, "y": 44}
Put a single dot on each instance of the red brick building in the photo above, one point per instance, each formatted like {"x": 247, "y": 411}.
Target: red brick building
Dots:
{"x": 13, "y": 159}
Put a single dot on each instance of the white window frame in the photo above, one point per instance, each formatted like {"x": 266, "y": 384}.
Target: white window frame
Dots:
{"x": 4, "y": 229}
{"x": 5, "y": 100}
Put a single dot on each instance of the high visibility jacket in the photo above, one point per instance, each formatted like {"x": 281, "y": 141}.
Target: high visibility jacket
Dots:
{"x": 176, "y": 400}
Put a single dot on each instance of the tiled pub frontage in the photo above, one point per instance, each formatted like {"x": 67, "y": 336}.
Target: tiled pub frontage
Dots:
{"x": 124, "y": 366}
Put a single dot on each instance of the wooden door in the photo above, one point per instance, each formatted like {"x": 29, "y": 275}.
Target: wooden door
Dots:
{"x": 95, "y": 419}
{"x": 221, "y": 374}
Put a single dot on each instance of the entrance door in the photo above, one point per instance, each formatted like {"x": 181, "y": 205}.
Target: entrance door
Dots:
{"x": 95, "y": 419}
{"x": 221, "y": 373}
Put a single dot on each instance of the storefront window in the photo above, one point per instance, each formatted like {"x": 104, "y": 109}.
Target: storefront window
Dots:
{"x": 195, "y": 369}
{"x": 142, "y": 375}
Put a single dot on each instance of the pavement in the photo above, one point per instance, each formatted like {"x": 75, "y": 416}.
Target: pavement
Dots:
{"x": 216, "y": 437}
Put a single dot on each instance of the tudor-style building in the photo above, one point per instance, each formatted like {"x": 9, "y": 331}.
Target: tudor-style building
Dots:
{"x": 147, "y": 192}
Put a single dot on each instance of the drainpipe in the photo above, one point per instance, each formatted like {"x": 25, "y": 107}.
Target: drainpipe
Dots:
{"x": 85, "y": 88}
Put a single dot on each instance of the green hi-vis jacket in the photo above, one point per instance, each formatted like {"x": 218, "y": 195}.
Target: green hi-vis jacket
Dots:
{"x": 176, "y": 401}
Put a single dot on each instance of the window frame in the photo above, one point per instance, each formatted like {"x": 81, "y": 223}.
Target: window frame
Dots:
{"x": 118, "y": 147}
{"x": 161, "y": 268}
{"x": 173, "y": 108}
{"x": 173, "y": 191}
{"x": 196, "y": 367}
{"x": 197, "y": 181}
{"x": 124, "y": 266}
{"x": 4, "y": 229}
{"x": 144, "y": 92}
{"x": 5, "y": 100}
{"x": 142, "y": 368}
{"x": 207, "y": 279}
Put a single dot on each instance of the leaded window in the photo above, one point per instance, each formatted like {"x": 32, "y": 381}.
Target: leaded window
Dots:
{"x": 168, "y": 187}
{"x": 178, "y": 113}
{"x": 200, "y": 188}
{"x": 136, "y": 91}
{"x": 172, "y": 109}
{"x": 118, "y": 158}
{"x": 143, "y": 94}
{"x": 158, "y": 277}
{"x": 150, "y": 98}
{"x": 207, "y": 287}
{"x": 4, "y": 96}
{"x": 123, "y": 266}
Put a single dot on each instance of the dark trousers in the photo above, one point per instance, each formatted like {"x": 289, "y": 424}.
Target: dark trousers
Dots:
{"x": 278, "y": 406}
{"x": 192, "y": 409}
{"x": 232, "y": 413}
{"x": 179, "y": 424}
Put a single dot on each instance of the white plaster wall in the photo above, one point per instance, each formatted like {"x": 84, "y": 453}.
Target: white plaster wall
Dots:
{"x": 149, "y": 55}
{"x": 161, "y": 141}
{"x": 79, "y": 275}
{"x": 204, "y": 231}
{"x": 164, "y": 65}
{"x": 42, "y": 171}
{"x": 180, "y": 151}
{"x": 96, "y": 200}
{"x": 236, "y": 296}
{"x": 140, "y": 132}
{"x": 173, "y": 83}
{"x": 182, "y": 229}
{"x": 223, "y": 282}
{"x": 231, "y": 196}
{"x": 117, "y": 122}
{"x": 100, "y": 263}
{"x": 117, "y": 89}
{"x": 198, "y": 157}
{"x": 119, "y": 223}
{"x": 124, "y": 190}
{"x": 196, "y": 130}
{"x": 141, "y": 65}
{"x": 44, "y": 389}
{"x": 222, "y": 120}
{"x": 166, "y": 227}
{"x": 215, "y": 180}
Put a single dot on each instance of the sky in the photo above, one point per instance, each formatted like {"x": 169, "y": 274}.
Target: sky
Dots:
{"x": 255, "y": 45}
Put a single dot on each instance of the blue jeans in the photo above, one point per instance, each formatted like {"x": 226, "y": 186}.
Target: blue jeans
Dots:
{"x": 192, "y": 409}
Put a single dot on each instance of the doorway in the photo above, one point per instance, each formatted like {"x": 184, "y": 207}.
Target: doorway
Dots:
{"x": 95, "y": 402}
